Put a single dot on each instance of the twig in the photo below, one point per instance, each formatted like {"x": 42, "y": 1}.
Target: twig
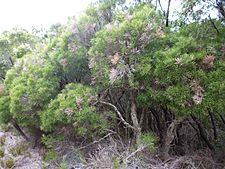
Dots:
{"x": 135, "y": 152}
{"x": 120, "y": 139}
{"x": 119, "y": 114}
{"x": 96, "y": 141}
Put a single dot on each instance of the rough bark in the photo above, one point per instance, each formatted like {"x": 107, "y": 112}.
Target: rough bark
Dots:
{"x": 167, "y": 13}
{"x": 169, "y": 137}
{"x": 134, "y": 117}
{"x": 223, "y": 120}
{"x": 213, "y": 125}
{"x": 202, "y": 132}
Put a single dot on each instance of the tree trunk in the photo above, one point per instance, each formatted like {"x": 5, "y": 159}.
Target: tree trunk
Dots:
{"x": 213, "y": 125}
{"x": 168, "y": 139}
{"x": 223, "y": 120}
{"x": 202, "y": 132}
{"x": 134, "y": 117}
{"x": 17, "y": 127}
{"x": 167, "y": 13}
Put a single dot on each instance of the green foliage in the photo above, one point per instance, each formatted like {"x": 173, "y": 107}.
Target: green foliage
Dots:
{"x": 2, "y": 152}
{"x": 51, "y": 156}
{"x": 116, "y": 47}
{"x": 2, "y": 140}
{"x": 147, "y": 139}
{"x": 30, "y": 84}
{"x": 5, "y": 116}
{"x": 178, "y": 74}
{"x": 70, "y": 58}
{"x": 73, "y": 107}
{"x": 14, "y": 44}
{"x": 44, "y": 80}
{"x": 62, "y": 166}
{"x": 50, "y": 141}
{"x": 116, "y": 162}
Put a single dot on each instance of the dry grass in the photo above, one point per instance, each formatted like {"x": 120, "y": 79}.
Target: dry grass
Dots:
{"x": 113, "y": 155}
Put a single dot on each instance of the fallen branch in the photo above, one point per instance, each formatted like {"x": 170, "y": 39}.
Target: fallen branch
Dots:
{"x": 119, "y": 114}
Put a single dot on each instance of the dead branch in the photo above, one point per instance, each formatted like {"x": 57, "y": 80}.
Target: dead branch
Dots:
{"x": 140, "y": 148}
{"x": 119, "y": 114}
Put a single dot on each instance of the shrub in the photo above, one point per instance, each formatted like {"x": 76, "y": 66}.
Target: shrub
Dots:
{"x": 73, "y": 107}
{"x": 50, "y": 156}
{"x": 147, "y": 139}
{"x": 30, "y": 85}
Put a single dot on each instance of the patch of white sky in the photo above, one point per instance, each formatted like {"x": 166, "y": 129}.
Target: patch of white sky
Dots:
{"x": 43, "y": 13}
{"x": 38, "y": 13}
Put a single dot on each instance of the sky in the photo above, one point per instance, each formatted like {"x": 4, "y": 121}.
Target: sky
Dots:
{"x": 38, "y": 13}
{"x": 43, "y": 13}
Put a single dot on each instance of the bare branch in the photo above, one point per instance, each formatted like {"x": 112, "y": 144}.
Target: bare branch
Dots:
{"x": 119, "y": 114}
{"x": 140, "y": 148}
{"x": 96, "y": 141}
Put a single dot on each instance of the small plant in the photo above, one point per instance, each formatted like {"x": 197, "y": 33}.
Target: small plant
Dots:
{"x": 116, "y": 162}
{"x": 6, "y": 127}
{"x": 2, "y": 141}
{"x": 62, "y": 166}
{"x": 19, "y": 149}
{"x": 147, "y": 139}
{"x": 2, "y": 152}
{"x": 50, "y": 141}
{"x": 50, "y": 156}
{"x": 8, "y": 164}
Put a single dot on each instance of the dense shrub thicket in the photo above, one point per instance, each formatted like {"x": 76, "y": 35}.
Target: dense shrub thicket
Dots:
{"x": 155, "y": 75}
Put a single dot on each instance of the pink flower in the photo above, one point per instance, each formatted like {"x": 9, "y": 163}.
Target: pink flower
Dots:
{"x": 79, "y": 102}
{"x": 69, "y": 112}
{"x": 178, "y": 61}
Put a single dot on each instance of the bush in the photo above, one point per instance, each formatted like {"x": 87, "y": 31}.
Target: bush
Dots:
{"x": 51, "y": 156}
{"x": 30, "y": 85}
{"x": 73, "y": 108}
